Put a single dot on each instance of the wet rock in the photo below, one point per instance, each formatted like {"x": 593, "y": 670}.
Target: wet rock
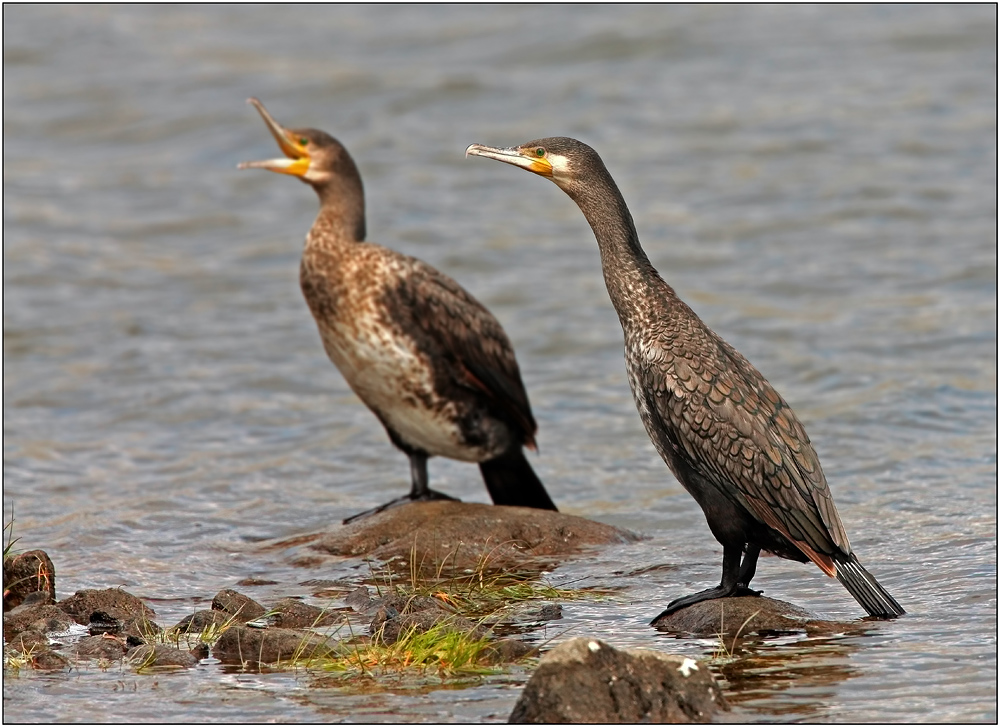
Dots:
{"x": 256, "y": 582}
{"x": 505, "y": 651}
{"x": 104, "y": 623}
{"x": 585, "y": 680}
{"x": 25, "y": 574}
{"x": 108, "y": 648}
{"x": 48, "y": 660}
{"x": 468, "y": 536}
{"x": 236, "y": 604}
{"x": 44, "y": 619}
{"x": 149, "y": 656}
{"x": 244, "y": 645}
{"x": 111, "y": 605}
{"x": 26, "y": 641}
{"x": 744, "y": 615}
{"x": 291, "y": 613}
{"x": 200, "y": 651}
{"x": 34, "y": 647}
{"x": 359, "y": 599}
{"x": 201, "y": 620}
{"x": 526, "y": 615}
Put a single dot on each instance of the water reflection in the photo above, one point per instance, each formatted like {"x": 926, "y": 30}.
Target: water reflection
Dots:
{"x": 757, "y": 671}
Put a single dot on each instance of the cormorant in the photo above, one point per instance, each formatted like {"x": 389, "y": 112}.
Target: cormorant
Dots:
{"x": 426, "y": 357}
{"x": 729, "y": 438}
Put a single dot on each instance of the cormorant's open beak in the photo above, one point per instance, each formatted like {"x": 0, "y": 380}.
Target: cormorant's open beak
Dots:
{"x": 517, "y": 156}
{"x": 297, "y": 163}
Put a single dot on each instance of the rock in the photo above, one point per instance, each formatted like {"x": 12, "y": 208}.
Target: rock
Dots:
{"x": 111, "y": 605}
{"x": 249, "y": 646}
{"x": 359, "y": 599}
{"x": 104, "y": 623}
{"x": 28, "y": 573}
{"x": 109, "y": 648}
{"x": 34, "y": 646}
{"x": 236, "y": 604}
{"x": 48, "y": 660}
{"x": 26, "y": 641}
{"x": 44, "y": 619}
{"x": 291, "y": 613}
{"x": 505, "y": 651}
{"x": 585, "y": 680}
{"x": 200, "y": 651}
{"x": 468, "y": 536}
{"x": 744, "y": 615}
{"x": 256, "y": 582}
{"x": 525, "y": 615}
{"x": 149, "y": 656}
{"x": 201, "y": 620}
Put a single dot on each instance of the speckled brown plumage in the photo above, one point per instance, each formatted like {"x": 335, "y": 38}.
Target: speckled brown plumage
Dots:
{"x": 426, "y": 357}
{"x": 725, "y": 433}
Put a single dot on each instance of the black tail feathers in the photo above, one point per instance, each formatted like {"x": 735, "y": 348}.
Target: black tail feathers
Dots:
{"x": 866, "y": 590}
{"x": 511, "y": 481}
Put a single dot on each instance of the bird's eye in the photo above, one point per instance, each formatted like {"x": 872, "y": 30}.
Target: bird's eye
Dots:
{"x": 304, "y": 141}
{"x": 540, "y": 152}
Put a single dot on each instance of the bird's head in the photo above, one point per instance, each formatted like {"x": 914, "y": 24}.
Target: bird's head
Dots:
{"x": 563, "y": 160}
{"x": 311, "y": 155}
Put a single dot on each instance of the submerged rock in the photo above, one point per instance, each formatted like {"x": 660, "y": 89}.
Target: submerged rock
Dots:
{"x": 463, "y": 536}
{"x": 108, "y": 648}
{"x": 116, "y": 610}
{"x": 244, "y": 645}
{"x": 41, "y": 618}
{"x": 745, "y": 615}
{"x": 585, "y": 680}
{"x": 149, "y": 656}
{"x": 34, "y": 647}
{"x": 291, "y": 613}
{"x": 200, "y": 620}
{"x": 26, "y": 574}
{"x": 228, "y": 607}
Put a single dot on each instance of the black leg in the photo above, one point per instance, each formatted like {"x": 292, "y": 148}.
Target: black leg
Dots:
{"x": 749, "y": 567}
{"x": 418, "y": 475}
{"x": 419, "y": 491}
{"x": 734, "y": 580}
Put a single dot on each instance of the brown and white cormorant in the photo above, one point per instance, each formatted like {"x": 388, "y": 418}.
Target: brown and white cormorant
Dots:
{"x": 426, "y": 357}
{"x": 729, "y": 438}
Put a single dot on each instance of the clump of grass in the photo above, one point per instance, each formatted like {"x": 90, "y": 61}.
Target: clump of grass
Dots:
{"x": 208, "y": 635}
{"x": 438, "y": 652}
{"x": 483, "y": 592}
{"x": 14, "y": 661}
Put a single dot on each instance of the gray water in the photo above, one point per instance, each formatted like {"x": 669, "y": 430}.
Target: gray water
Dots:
{"x": 819, "y": 183}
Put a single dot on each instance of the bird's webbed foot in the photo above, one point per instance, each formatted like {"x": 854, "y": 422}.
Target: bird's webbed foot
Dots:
{"x": 721, "y": 591}
{"x": 425, "y": 496}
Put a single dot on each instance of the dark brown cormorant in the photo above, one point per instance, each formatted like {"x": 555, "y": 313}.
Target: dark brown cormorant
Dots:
{"x": 729, "y": 438}
{"x": 426, "y": 357}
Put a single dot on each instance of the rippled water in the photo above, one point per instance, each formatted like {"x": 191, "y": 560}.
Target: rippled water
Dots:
{"x": 819, "y": 183}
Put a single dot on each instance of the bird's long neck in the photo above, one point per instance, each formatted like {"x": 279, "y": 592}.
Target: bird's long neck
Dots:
{"x": 341, "y": 218}
{"x": 631, "y": 279}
